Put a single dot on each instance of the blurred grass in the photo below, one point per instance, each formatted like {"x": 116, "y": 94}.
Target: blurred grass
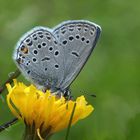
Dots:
{"x": 112, "y": 72}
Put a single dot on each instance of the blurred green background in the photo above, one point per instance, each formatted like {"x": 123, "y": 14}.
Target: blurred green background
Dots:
{"x": 112, "y": 72}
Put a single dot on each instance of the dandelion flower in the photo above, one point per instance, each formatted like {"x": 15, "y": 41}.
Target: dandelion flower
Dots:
{"x": 43, "y": 113}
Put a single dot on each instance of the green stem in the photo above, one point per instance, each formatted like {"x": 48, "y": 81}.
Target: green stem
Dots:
{"x": 9, "y": 80}
{"x": 2, "y": 88}
{"x": 70, "y": 121}
{"x": 31, "y": 134}
{"x": 8, "y": 124}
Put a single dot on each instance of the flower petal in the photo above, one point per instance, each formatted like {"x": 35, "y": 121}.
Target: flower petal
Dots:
{"x": 45, "y": 110}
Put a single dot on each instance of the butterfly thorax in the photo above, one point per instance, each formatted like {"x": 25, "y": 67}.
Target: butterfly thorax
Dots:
{"x": 66, "y": 93}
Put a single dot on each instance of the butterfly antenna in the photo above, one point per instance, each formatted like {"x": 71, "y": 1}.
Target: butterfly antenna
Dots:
{"x": 92, "y": 95}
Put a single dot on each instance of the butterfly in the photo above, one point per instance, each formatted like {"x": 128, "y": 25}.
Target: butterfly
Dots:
{"x": 53, "y": 58}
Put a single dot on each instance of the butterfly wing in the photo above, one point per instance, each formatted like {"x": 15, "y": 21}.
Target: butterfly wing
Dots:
{"x": 78, "y": 38}
{"x": 39, "y": 56}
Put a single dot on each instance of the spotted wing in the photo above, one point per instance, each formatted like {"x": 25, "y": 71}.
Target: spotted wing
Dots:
{"x": 39, "y": 56}
{"x": 78, "y": 38}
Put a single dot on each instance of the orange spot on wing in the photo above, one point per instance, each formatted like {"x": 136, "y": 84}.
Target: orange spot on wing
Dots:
{"x": 24, "y": 49}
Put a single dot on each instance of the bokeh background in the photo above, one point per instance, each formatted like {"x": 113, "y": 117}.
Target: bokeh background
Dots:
{"x": 112, "y": 72}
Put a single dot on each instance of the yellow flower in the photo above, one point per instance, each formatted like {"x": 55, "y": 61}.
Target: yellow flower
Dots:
{"x": 44, "y": 111}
